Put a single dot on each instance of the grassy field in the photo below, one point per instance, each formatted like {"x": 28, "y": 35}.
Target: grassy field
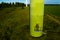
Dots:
{"x": 11, "y": 22}
{"x": 55, "y": 10}
{"x": 14, "y": 24}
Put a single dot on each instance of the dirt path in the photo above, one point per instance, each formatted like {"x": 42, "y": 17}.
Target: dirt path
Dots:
{"x": 53, "y": 19}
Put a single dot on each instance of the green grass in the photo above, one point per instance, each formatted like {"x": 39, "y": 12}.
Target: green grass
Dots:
{"x": 14, "y": 24}
{"x": 52, "y": 28}
{"x": 55, "y": 10}
{"x": 11, "y": 21}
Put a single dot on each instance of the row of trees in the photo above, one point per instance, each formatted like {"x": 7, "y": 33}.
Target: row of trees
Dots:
{"x": 17, "y": 4}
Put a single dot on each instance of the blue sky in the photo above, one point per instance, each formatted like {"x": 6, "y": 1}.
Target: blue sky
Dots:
{"x": 52, "y": 1}
{"x": 23, "y": 1}
{"x": 46, "y": 1}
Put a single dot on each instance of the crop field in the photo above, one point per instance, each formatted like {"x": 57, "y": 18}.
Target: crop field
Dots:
{"x": 54, "y": 9}
{"x": 14, "y": 24}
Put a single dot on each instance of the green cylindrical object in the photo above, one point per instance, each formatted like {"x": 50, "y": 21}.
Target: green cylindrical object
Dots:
{"x": 36, "y": 17}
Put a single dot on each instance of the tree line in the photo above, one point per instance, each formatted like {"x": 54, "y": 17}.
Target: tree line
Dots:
{"x": 17, "y": 4}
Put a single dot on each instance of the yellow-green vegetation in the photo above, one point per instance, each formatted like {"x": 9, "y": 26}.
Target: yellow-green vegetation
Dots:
{"x": 11, "y": 21}
{"x": 14, "y": 25}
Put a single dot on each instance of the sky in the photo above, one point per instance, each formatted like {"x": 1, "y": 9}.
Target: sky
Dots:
{"x": 23, "y": 1}
{"x": 52, "y": 1}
